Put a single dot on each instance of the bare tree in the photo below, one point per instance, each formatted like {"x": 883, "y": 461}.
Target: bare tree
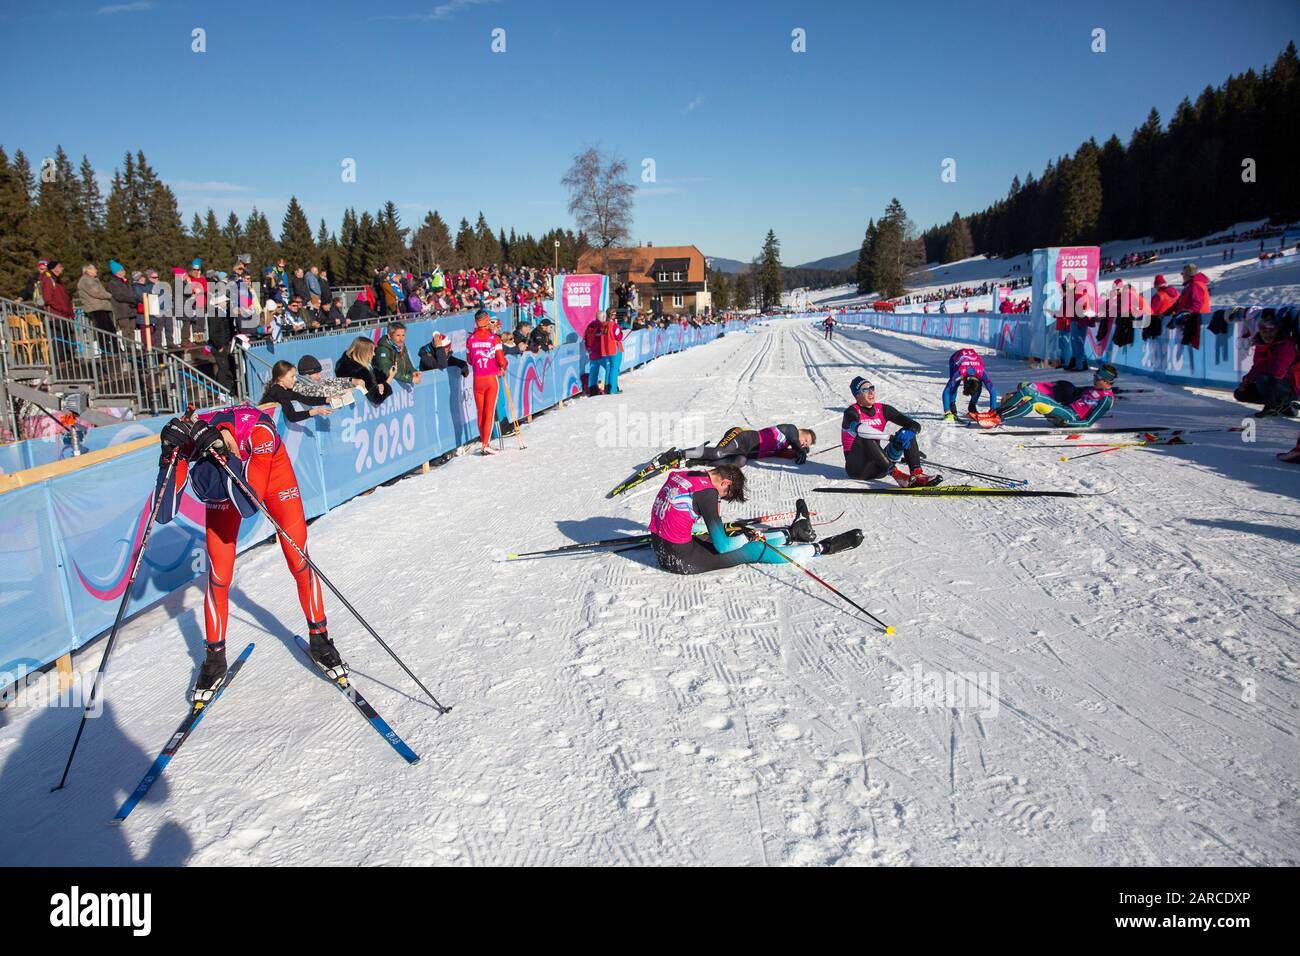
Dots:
{"x": 599, "y": 199}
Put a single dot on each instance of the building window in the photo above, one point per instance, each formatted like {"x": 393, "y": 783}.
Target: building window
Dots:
{"x": 677, "y": 277}
{"x": 678, "y": 302}
{"x": 663, "y": 277}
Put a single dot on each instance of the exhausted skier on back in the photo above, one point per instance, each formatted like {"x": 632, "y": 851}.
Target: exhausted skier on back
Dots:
{"x": 966, "y": 369}
{"x": 1063, "y": 403}
{"x": 862, "y": 434}
{"x": 739, "y": 446}
{"x": 689, "y": 497}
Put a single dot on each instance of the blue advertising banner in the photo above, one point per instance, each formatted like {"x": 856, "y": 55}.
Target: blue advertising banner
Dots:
{"x": 69, "y": 540}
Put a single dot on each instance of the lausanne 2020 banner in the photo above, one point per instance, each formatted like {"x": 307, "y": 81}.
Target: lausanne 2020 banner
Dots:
{"x": 68, "y": 540}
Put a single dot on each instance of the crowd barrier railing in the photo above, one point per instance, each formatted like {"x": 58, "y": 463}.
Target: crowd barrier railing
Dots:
{"x": 1220, "y": 361}
{"x": 70, "y": 528}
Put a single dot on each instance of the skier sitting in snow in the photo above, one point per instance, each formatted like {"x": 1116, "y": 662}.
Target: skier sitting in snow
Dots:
{"x": 688, "y": 497}
{"x": 966, "y": 368}
{"x": 244, "y": 438}
{"x": 1064, "y": 404}
{"x": 862, "y": 430}
{"x": 741, "y": 445}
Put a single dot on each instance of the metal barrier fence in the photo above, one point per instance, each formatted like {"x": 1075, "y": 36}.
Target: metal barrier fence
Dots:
{"x": 60, "y": 354}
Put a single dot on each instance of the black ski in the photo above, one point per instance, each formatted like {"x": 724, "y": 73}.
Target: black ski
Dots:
{"x": 962, "y": 491}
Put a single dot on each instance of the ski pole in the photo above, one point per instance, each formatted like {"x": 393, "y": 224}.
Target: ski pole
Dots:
{"x": 1141, "y": 444}
{"x": 160, "y": 494}
{"x": 642, "y": 538}
{"x": 978, "y": 474}
{"x": 887, "y": 628}
{"x": 514, "y": 419}
{"x": 221, "y": 460}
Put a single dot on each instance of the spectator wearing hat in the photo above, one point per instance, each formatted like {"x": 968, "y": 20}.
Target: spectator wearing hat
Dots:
{"x": 280, "y": 390}
{"x": 196, "y": 299}
{"x": 95, "y": 300}
{"x": 437, "y": 355}
{"x": 312, "y": 381}
{"x": 363, "y": 309}
{"x": 125, "y": 300}
{"x": 294, "y": 320}
{"x": 612, "y": 346}
{"x": 392, "y": 355}
{"x": 1193, "y": 302}
{"x": 57, "y": 300}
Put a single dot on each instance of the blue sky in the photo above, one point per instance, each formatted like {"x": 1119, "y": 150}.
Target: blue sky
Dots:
{"x": 746, "y": 135}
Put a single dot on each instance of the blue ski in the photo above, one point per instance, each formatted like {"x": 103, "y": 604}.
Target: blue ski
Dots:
{"x": 361, "y": 704}
{"x": 177, "y": 739}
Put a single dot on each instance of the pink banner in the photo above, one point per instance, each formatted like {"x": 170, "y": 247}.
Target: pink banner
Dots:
{"x": 579, "y": 299}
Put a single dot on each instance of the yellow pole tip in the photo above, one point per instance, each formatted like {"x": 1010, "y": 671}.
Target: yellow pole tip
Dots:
{"x": 1064, "y": 459}
{"x": 890, "y": 630}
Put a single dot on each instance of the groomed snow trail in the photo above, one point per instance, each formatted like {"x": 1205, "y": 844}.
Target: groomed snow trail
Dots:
{"x": 1135, "y": 654}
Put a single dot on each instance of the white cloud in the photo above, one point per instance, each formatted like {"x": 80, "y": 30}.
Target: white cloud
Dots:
{"x": 443, "y": 11}
{"x": 694, "y": 104}
{"x": 137, "y": 7}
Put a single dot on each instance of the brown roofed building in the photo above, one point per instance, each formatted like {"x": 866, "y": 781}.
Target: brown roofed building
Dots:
{"x": 669, "y": 279}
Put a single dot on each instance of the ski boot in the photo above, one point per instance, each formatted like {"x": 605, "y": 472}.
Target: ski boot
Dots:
{"x": 840, "y": 542}
{"x": 987, "y": 419}
{"x": 919, "y": 479}
{"x": 211, "y": 675}
{"x": 801, "y": 529}
{"x": 326, "y": 654}
{"x": 665, "y": 459}
{"x": 949, "y": 416}
{"x": 901, "y": 476}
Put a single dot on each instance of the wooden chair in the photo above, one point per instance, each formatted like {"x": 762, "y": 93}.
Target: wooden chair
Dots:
{"x": 36, "y": 338}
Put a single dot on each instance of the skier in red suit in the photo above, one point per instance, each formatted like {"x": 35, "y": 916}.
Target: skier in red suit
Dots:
{"x": 246, "y": 439}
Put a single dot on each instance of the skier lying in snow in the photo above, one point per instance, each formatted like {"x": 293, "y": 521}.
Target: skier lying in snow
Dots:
{"x": 245, "y": 438}
{"x": 741, "y": 445}
{"x": 863, "y": 429}
{"x": 688, "y": 497}
{"x": 1063, "y": 403}
{"x": 966, "y": 368}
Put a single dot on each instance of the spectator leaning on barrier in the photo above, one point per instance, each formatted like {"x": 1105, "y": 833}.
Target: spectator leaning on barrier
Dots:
{"x": 312, "y": 381}
{"x": 57, "y": 300}
{"x": 391, "y": 354}
{"x": 437, "y": 355}
{"x": 1193, "y": 302}
{"x": 356, "y": 363}
{"x": 280, "y": 390}
{"x": 1274, "y": 377}
{"x": 298, "y": 286}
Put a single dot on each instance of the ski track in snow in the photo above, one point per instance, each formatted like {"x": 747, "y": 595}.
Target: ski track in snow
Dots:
{"x": 609, "y": 713}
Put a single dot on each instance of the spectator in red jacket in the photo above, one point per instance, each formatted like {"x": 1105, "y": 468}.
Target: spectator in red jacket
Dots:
{"x": 1194, "y": 300}
{"x": 1163, "y": 298}
{"x": 593, "y": 338}
{"x": 1274, "y": 378}
{"x": 56, "y": 297}
{"x": 611, "y": 345}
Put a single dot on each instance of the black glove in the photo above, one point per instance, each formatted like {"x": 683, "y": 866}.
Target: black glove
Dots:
{"x": 207, "y": 441}
{"x": 464, "y": 371}
{"x": 175, "y": 436}
{"x": 800, "y": 456}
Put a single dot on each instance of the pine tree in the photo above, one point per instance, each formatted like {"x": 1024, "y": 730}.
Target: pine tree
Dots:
{"x": 957, "y": 240}
{"x": 431, "y": 244}
{"x": 769, "y": 272}
{"x": 296, "y": 243}
{"x": 258, "y": 241}
{"x": 1081, "y": 198}
{"x": 17, "y": 239}
{"x": 896, "y": 252}
{"x": 391, "y": 236}
{"x": 464, "y": 245}
{"x": 368, "y": 249}
{"x": 58, "y": 227}
{"x": 862, "y": 271}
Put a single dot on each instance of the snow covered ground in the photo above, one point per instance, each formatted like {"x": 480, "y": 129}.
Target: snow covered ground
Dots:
{"x": 1132, "y": 658}
{"x": 1239, "y": 282}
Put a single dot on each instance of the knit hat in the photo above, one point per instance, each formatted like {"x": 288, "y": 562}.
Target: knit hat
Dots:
{"x": 196, "y": 263}
{"x": 858, "y": 384}
{"x": 1108, "y": 373}
{"x": 115, "y": 267}
{"x": 308, "y": 365}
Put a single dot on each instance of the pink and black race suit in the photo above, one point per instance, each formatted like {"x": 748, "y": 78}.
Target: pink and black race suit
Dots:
{"x": 873, "y": 417}
{"x": 772, "y": 441}
{"x": 966, "y": 363}
{"x": 673, "y": 514}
